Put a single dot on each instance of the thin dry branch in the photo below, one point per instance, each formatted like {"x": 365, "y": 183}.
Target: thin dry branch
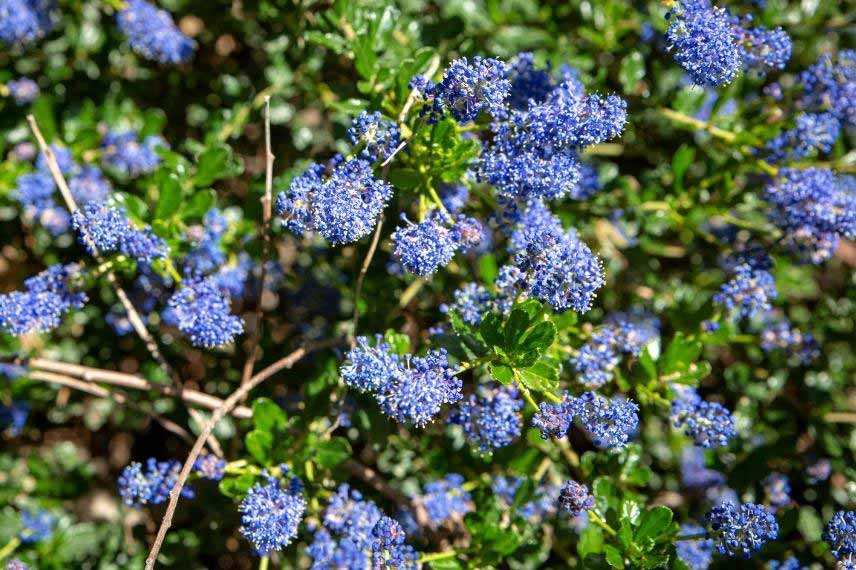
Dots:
{"x": 230, "y": 402}
{"x": 89, "y": 374}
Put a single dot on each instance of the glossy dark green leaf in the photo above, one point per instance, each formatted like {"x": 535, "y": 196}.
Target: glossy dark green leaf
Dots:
{"x": 491, "y": 329}
{"x": 653, "y": 523}
{"x": 268, "y": 416}
{"x": 332, "y": 452}
{"x": 502, "y": 373}
{"x": 260, "y": 445}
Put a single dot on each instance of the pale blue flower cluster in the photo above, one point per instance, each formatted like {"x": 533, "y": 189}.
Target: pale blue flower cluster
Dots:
{"x": 46, "y": 298}
{"x": 201, "y": 311}
{"x": 491, "y": 417}
{"x": 152, "y": 33}
{"x": 609, "y": 423}
{"x": 151, "y": 486}
{"x": 271, "y": 513}
{"x": 709, "y": 424}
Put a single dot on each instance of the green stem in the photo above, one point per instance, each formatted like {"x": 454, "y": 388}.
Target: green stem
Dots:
{"x": 438, "y": 201}
{"x": 595, "y": 518}
{"x": 437, "y": 556}
{"x": 687, "y": 121}
{"x": 526, "y": 394}
{"x": 472, "y": 364}
{"x": 553, "y": 398}
{"x": 691, "y": 536}
{"x": 263, "y": 563}
{"x": 10, "y": 547}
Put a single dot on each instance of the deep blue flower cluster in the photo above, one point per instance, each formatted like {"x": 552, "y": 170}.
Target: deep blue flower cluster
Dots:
{"x": 575, "y": 498}
{"x": 830, "y": 84}
{"x": 748, "y": 292}
{"x": 840, "y": 533}
{"x": 151, "y": 486}
{"x": 343, "y": 208}
{"x": 425, "y": 247}
{"x": 410, "y": 390}
{"x": 528, "y": 81}
{"x": 37, "y": 526}
{"x": 609, "y": 423}
{"x": 467, "y": 89}
{"x": 697, "y": 554}
{"x": 199, "y": 310}
{"x": 490, "y": 418}
{"x": 813, "y": 131}
{"x": 124, "y": 152}
{"x": 813, "y": 208}
{"x": 709, "y": 424}
{"x": 378, "y": 137}
{"x": 777, "y": 489}
{"x": 702, "y": 38}
{"x": 105, "y": 229}
{"x": 24, "y": 22}
{"x": 271, "y": 513}
{"x": 209, "y": 466}
{"x": 561, "y": 271}
{"x": 780, "y": 335}
{"x": 356, "y": 534}
{"x": 713, "y": 46}
{"x": 471, "y": 302}
{"x": 40, "y": 306}
{"x": 623, "y": 333}
{"x": 742, "y": 529}
{"x": 14, "y": 416}
{"x": 445, "y": 499}
{"x": 23, "y": 90}
{"x": 152, "y": 33}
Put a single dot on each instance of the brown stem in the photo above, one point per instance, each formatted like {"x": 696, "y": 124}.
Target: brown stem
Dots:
{"x": 118, "y": 397}
{"x": 230, "y": 402}
{"x": 363, "y": 270}
{"x": 376, "y": 482}
{"x": 123, "y": 380}
{"x": 267, "y": 215}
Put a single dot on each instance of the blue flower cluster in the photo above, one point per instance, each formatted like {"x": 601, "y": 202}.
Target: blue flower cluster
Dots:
{"x": 471, "y": 302}
{"x": 819, "y": 471}
{"x": 560, "y": 270}
{"x": 35, "y": 193}
{"x": 104, "y": 229}
{"x": 343, "y": 208}
{"x": 742, "y": 529}
{"x": 410, "y": 390}
{"x": 37, "y": 526}
{"x": 14, "y": 416}
{"x": 748, "y": 292}
{"x": 445, "y": 499}
{"x": 207, "y": 255}
{"x": 425, "y": 247}
{"x": 625, "y": 333}
{"x": 209, "y": 466}
{"x": 200, "y": 311}
{"x": 777, "y": 489}
{"x": 124, "y": 152}
{"x": 695, "y": 474}
{"x": 791, "y": 563}
{"x": 23, "y": 90}
{"x": 609, "y": 423}
{"x": 90, "y": 185}
{"x": 813, "y": 131}
{"x": 780, "y": 335}
{"x": 697, "y": 554}
{"x": 152, "y": 486}
{"x": 24, "y": 22}
{"x": 467, "y": 89}
{"x": 378, "y": 137}
{"x": 43, "y": 302}
{"x": 356, "y": 534}
{"x": 814, "y": 209}
{"x": 534, "y": 154}
{"x": 16, "y": 564}
{"x": 490, "y": 418}
{"x": 840, "y": 533}
{"x": 271, "y": 513}
{"x": 830, "y": 84}
{"x": 709, "y": 424}
{"x": 713, "y": 46}
{"x": 575, "y": 498}
{"x": 152, "y": 33}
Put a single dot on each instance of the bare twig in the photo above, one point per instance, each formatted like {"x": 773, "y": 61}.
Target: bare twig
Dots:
{"x": 267, "y": 215}
{"x": 118, "y": 397}
{"x": 363, "y": 270}
{"x": 840, "y": 417}
{"x": 88, "y": 374}
{"x": 376, "y": 482}
{"x": 133, "y": 315}
{"x": 230, "y": 402}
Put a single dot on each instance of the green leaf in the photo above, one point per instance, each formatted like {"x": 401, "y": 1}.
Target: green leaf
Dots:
{"x": 491, "y": 329}
{"x": 538, "y": 338}
{"x": 613, "y": 556}
{"x": 405, "y": 178}
{"x": 680, "y": 354}
{"x": 331, "y": 453}
{"x": 515, "y": 327}
{"x": 653, "y": 523}
{"x": 591, "y": 541}
{"x": 543, "y": 376}
{"x": 214, "y": 163}
{"x": 398, "y": 342}
{"x": 445, "y": 564}
{"x": 235, "y": 487}
{"x": 199, "y": 203}
{"x": 169, "y": 196}
{"x": 502, "y": 373}
{"x": 681, "y": 161}
{"x": 260, "y": 444}
{"x": 810, "y": 524}
{"x": 268, "y": 416}
{"x": 632, "y": 70}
